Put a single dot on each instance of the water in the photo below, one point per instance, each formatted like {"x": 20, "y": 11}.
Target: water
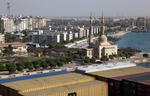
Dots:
{"x": 147, "y": 65}
{"x": 136, "y": 40}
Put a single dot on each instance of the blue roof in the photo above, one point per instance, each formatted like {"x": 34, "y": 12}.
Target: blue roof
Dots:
{"x": 32, "y": 76}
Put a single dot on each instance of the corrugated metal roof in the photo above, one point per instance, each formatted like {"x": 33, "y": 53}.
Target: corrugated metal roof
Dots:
{"x": 147, "y": 82}
{"x": 120, "y": 72}
{"x": 131, "y": 76}
{"x": 48, "y": 82}
{"x": 140, "y": 78}
{"x": 64, "y": 88}
{"x": 104, "y": 67}
{"x": 32, "y": 76}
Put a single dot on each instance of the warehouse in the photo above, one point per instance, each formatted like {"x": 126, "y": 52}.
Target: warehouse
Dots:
{"x": 54, "y": 84}
{"x": 114, "y": 77}
{"x": 92, "y": 88}
{"x": 137, "y": 86}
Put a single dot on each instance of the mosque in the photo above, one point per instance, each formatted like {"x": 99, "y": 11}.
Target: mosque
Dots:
{"x": 100, "y": 47}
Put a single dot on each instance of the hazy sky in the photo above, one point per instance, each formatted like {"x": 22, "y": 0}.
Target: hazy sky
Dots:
{"x": 78, "y": 7}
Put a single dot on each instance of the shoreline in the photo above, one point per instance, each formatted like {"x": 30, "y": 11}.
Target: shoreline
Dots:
{"x": 119, "y": 34}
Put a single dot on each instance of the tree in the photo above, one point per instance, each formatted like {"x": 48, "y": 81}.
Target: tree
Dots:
{"x": 68, "y": 59}
{"x": 11, "y": 67}
{"x": 8, "y": 50}
{"x": 51, "y": 63}
{"x": 104, "y": 58}
{"x": 12, "y": 38}
{"x": 145, "y": 55}
{"x": 111, "y": 56}
{"x": 29, "y": 65}
{"x": 2, "y": 67}
{"x": 30, "y": 49}
{"x": 76, "y": 56}
{"x": 86, "y": 60}
{"x": 20, "y": 66}
{"x": 36, "y": 64}
{"x": 46, "y": 52}
{"x": 59, "y": 62}
{"x": 93, "y": 60}
{"x": 44, "y": 64}
{"x": 63, "y": 60}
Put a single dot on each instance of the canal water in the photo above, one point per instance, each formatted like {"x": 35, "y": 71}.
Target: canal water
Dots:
{"x": 138, "y": 40}
{"x": 147, "y": 65}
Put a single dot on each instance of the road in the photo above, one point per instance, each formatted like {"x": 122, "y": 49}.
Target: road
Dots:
{"x": 79, "y": 44}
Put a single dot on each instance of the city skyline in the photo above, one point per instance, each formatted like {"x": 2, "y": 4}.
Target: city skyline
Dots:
{"x": 76, "y": 7}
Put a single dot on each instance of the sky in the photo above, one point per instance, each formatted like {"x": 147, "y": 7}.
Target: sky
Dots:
{"x": 77, "y": 7}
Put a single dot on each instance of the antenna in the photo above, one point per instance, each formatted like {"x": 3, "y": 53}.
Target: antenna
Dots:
{"x": 8, "y": 8}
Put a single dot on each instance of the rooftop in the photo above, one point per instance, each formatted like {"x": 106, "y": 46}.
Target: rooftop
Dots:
{"x": 102, "y": 67}
{"x": 12, "y": 44}
{"x": 52, "y": 91}
{"x": 36, "y": 84}
{"x": 120, "y": 72}
{"x": 32, "y": 76}
{"x": 131, "y": 76}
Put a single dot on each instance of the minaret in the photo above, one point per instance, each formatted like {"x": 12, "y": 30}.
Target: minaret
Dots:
{"x": 102, "y": 26}
{"x": 91, "y": 32}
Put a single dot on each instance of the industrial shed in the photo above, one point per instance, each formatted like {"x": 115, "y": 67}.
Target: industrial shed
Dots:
{"x": 92, "y": 88}
{"x": 54, "y": 84}
{"x": 114, "y": 78}
{"x": 137, "y": 86}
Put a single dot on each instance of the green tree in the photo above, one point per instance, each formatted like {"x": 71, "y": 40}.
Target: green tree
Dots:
{"x": 20, "y": 66}
{"x": 11, "y": 67}
{"x": 36, "y": 64}
{"x": 44, "y": 64}
{"x": 59, "y": 62}
{"x": 30, "y": 49}
{"x": 12, "y": 38}
{"x": 2, "y": 67}
{"x": 145, "y": 55}
{"x": 104, "y": 58}
{"x": 93, "y": 60}
{"x": 68, "y": 59}
{"x": 63, "y": 60}
{"x": 46, "y": 52}
{"x": 8, "y": 50}
{"x": 86, "y": 60}
{"x": 29, "y": 65}
{"x": 51, "y": 63}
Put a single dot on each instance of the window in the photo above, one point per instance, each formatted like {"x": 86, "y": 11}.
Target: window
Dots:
{"x": 72, "y": 94}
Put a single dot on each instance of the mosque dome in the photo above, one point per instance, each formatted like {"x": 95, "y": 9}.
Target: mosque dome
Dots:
{"x": 103, "y": 39}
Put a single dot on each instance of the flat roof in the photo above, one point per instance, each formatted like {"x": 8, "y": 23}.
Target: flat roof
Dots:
{"x": 63, "y": 88}
{"x": 103, "y": 67}
{"x": 140, "y": 78}
{"x": 48, "y": 82}
{"x": 32, "y": 76}
{"x": 120, "y": 72}
{"x": 131, "y": 76}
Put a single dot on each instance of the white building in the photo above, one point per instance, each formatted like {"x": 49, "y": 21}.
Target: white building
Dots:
{"x": 21, "y": 24}
{"x": 8, "y": 24}
{"x": 48, "y": 38}
{"x": 63, "y": 36}
{"x": 104, "y": 47}
{"x": 101, "y": 47}
{"x": 81, "y": 32}
{"x": 75, "y": 35}
{"x": 2, "y": 38}
{"x": 69, "y": 35}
